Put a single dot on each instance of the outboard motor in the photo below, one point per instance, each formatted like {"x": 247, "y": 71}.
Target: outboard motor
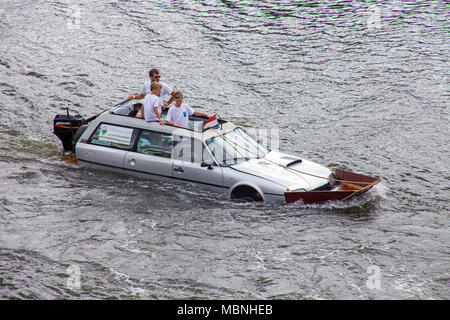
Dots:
{"x": 65, "y": 126}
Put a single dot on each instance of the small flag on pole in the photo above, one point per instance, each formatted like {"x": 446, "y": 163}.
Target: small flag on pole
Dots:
{"x": 211, "y": 123}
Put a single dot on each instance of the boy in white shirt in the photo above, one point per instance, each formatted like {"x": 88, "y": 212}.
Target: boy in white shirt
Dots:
{"x": 178, "y": 115}
{"x": 152, "y": 104}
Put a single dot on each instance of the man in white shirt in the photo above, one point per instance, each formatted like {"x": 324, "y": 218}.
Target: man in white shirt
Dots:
{"x": 178, "y": 115}
{"x": 165, "y": 91}
{"x": 152, "y": 104}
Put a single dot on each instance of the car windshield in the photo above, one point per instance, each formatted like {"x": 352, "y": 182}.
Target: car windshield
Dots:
{"x": 234, "y": 147}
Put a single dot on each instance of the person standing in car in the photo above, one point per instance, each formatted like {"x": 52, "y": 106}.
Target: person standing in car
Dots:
{"x": 152, "y": 104}
{"x": 165, "y": 90}
{"x": 178, "y": 115}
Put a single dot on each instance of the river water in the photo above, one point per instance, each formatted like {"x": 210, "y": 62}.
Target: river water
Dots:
{"x": 360, "y": 86}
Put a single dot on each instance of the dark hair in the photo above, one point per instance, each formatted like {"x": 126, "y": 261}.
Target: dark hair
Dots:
{"x": 152, "y": 72}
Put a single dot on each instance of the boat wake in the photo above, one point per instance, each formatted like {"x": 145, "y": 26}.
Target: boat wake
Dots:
{"x": 366, "y": 203}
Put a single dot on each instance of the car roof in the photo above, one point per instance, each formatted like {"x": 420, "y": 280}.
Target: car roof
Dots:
{"x": 140, "y": 123}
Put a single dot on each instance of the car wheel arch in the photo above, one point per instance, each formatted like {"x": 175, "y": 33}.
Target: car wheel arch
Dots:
{"x": 243, "y": 190}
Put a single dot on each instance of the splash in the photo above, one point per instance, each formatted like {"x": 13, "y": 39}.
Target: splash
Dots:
{"x": 70, "y": 158}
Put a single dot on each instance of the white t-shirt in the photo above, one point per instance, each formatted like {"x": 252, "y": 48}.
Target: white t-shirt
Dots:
{"x": 180, "y": 115}
{"x": 165, "y": 90}
{"x": 151, "y": 101}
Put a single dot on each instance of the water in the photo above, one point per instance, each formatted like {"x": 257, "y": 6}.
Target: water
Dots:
{"x": 361, "y": 86}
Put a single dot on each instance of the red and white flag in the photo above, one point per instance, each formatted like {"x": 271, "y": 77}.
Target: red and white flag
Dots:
{"x": 211, "y": 123}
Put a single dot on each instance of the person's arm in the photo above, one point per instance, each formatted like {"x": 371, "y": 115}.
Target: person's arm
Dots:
{"x": 139, "y": 96}
{"x": 169, "y": 119}
{"x": 201, "y": 114}
{"x": 166, "y": 105}
{"x": 161, "y": 122}
{"x": 172, "y": 123}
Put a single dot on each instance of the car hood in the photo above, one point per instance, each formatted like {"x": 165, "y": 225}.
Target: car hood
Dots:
{"x": 272, "y": 167}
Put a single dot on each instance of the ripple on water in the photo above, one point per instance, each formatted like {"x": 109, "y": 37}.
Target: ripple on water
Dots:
{"x": 340, "y": 90}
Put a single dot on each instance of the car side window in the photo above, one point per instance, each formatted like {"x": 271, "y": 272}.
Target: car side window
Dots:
{"x": 189, "y": 150}
{"x": 155, "y": 144}
{"x": 114, "y": 136}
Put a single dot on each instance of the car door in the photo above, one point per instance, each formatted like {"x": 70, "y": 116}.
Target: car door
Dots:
{"x": 190, "y": 159}
{"x": 108, "y": 146}
{"x": 152, "y": 155}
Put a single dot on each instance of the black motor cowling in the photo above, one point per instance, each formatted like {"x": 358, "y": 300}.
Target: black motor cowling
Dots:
{"x": 65, "y": 126}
